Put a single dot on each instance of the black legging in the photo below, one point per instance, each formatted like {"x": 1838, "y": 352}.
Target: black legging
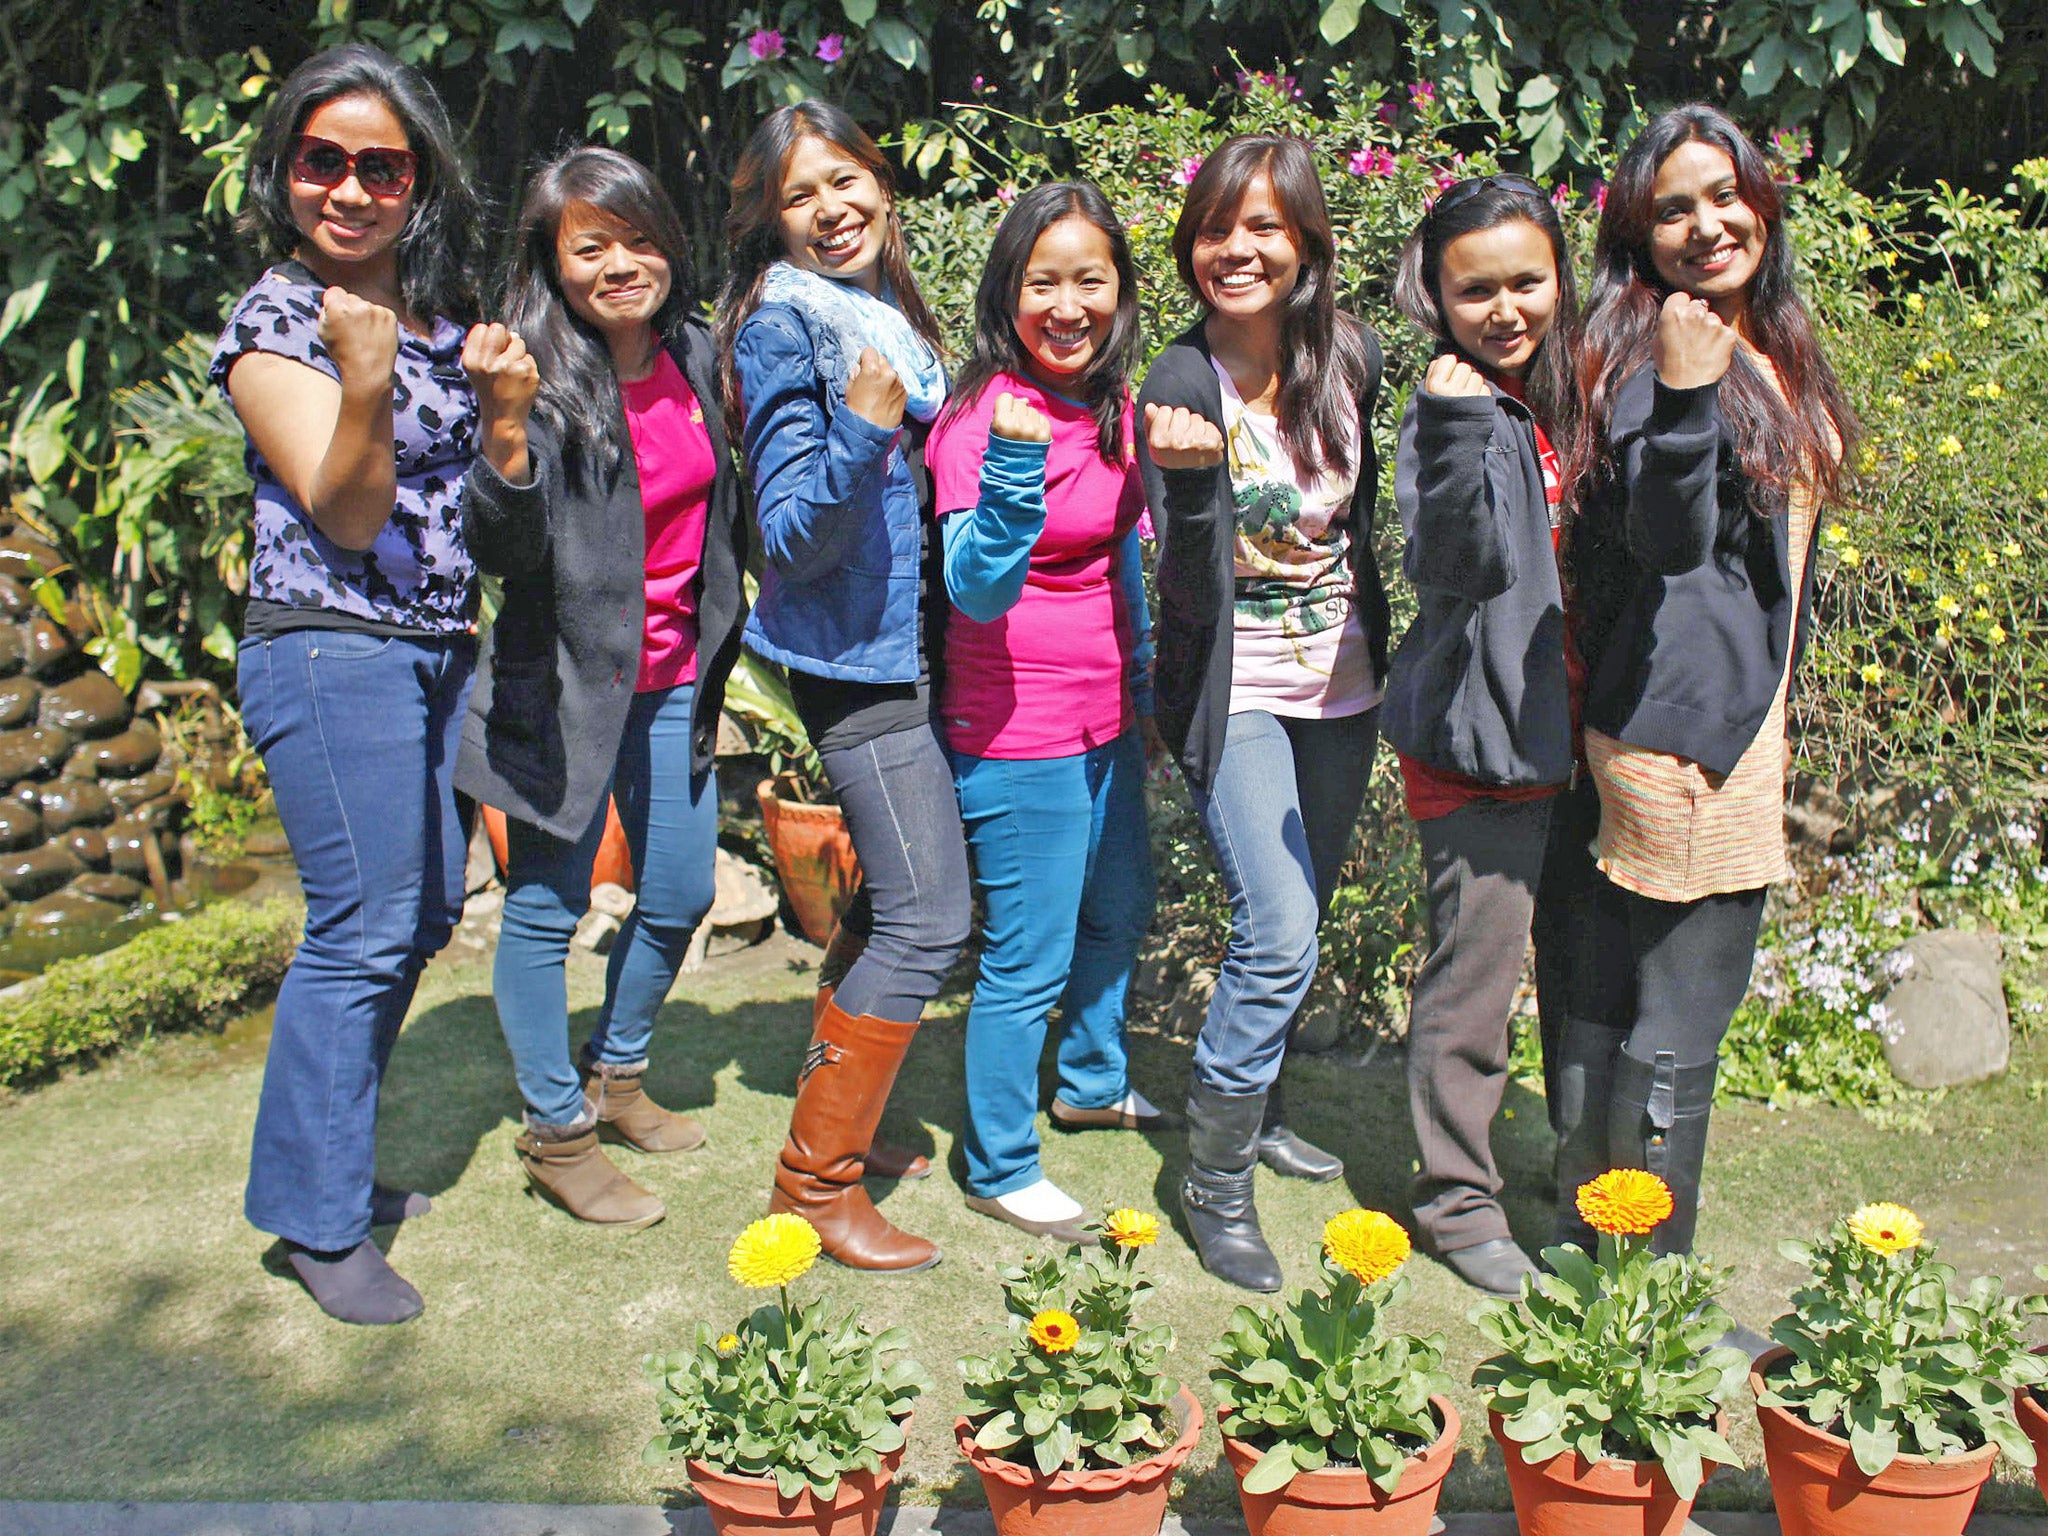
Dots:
{"x": 1675, "y": 971}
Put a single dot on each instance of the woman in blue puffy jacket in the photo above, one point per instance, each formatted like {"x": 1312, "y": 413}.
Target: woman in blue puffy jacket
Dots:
{"x": 832, "y": 379}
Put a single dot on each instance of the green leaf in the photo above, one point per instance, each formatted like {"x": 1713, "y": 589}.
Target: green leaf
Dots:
{"x": 858, "y": 12}
{"x": 896, "y": 39}
{"x": 1274, "y": 1471}
{"x": 1885, "y": 38}
{"x": 578, "y": 11}
{"x": 22, "y": 305}
{"x": 1760, "y": 72}
{"x": 1338, "y": 20}
{"x": 1537, "y": 92}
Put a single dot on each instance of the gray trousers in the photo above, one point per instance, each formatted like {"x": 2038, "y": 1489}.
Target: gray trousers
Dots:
{"x": 1481, "y": 865}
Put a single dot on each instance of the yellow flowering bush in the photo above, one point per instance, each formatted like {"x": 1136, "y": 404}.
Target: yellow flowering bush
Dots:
{"x": 1079, "y": 1383}
{"x": 796, "y": 1394}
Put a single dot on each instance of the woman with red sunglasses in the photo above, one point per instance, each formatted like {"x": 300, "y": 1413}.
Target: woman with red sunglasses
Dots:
{"x": 345, "y": 364}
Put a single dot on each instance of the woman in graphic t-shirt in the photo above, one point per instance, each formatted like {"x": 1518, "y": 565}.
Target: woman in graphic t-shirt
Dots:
{"x": 621, "y": 542}
{"x": 1272, "y": 634}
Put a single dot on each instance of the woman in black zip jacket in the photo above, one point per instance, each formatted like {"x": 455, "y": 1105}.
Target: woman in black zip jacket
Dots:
{"x": 1479, "y": 705}
{"x": 1715, "y": 434}
{"x": 621, "y": 541}
{"x": 1272, "y": 632}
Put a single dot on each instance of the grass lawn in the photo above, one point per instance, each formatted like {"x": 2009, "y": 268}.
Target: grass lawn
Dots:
{"x": 145, "y": 1354}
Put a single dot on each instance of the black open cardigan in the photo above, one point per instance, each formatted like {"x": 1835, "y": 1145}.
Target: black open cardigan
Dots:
{"x": 1195, "y": 517}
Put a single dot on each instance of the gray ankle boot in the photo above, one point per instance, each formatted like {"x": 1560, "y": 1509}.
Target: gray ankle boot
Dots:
{"x": 1216, "y": 1195}
{"x": 1659, "y": 1123}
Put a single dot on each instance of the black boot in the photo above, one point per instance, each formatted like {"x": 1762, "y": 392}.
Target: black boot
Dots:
{"x": 1585, "y": 1088}
{"x": 1659, "y": 1123}
{"x": 1286, "y": 1153}
{"x": 1216, "y": 1195}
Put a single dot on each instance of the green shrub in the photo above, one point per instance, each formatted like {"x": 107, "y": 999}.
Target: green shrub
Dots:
{"x": 194, "y": 974}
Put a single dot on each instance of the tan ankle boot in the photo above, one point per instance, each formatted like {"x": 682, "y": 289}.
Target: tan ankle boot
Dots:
{"x": 565, "y": 1165}
{"x": 626, "y": 1113}
{"x": 848, "y": 1072}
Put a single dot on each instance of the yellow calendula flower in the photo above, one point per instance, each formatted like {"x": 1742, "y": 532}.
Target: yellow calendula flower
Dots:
{"x": 1992, "y": 391}
{"x": 1054, "y": 1331}
{"x": 1915, "y": 304}
{"x": 1947, "y": 606}
{"x": 1949, "y": 446}
{"x": 773, "y": 1251}
{"x": 1996, "y": 635}
{"x": 1916, "y": 574}
{"x": 1990, "y": 559}
{"x": 1886, "y": 1228}
{"x": 1895, "y": 401}
{"x": 1872, "y": 672}
{"x": 1370, "y": 1245}
{"x": 2012, "y": 549}
{"x": 1981, "y": 589}
{"x": 1909, "y": 455}
{"x": 1944, "y": 631}
{"x": 1835, "y": 533}
{"x": 1870, "y": 459}
{"x": 1981, "y": 320}
{"x": 1852, "y": 554}
{"x": 727, "y": 1343}
{"x": 1981, "y": 613}
{"x": 1626, "y": 1202}
{"x": 1131, "y": 1229}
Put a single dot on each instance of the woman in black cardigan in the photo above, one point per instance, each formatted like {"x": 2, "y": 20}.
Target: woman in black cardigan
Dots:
{"x": 622, "y": 552}
{"x": 1272, "y": 635}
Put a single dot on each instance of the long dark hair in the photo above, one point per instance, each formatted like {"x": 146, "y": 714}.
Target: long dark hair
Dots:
{"x": 1325, "y": 365}
{"x": 440, "y": 248}
{"x": 753, "y": 229}
{"x": 579, "y": 393}
{"x": 1550, "y": 381}
{"x": 1627, "y": 294}
{"x": 1104, "y": 385}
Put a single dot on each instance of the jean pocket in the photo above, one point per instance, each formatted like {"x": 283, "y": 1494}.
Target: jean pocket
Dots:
{"x": 347, "y": 645}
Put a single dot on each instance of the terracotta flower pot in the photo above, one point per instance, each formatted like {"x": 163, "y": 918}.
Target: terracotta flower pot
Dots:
{"x": 2033, "y": 1416}
{"x": 1345, "y": 1501}
{"x": 740, "y": 1505}
{"x": 813, "y": 857}
{"x": 1105, "y": 1501}
{"x": 1820, "y": 1491}
{"x": 614, "y": 861}
{"x": 1565, "y": 1496}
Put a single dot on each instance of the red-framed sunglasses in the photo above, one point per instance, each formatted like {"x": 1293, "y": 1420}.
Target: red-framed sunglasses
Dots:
{"x": 380, "y": 172}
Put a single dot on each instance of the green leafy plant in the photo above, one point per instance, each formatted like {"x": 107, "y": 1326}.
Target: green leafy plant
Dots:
{"x": 1323, "y": 1381}
{"x": 1891, "y": 1352}
{"x": 1079, "y": 1383}
{"x": 800, "y": 1395}
{"x": 1617, "y": 1355}
{"x": 757, "y": 695}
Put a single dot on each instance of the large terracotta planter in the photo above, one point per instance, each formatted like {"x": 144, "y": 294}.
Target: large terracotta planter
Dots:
{"x": 1345, "y": 1501}
{"x": 614, "y": 861}
{"x": 813, "y": 857}
{"x": 1106, "y": 1501}
{"x": 2033, "y": 1418}
{"x": 1820, "y": 1491}
{"x": 1565, "y": 1496}
{"x": 752, "y": 1506}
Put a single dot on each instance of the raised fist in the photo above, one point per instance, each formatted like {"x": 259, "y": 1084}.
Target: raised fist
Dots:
{"x": 1691, "y": 347}
{"x": 1179, "y": 438}
{"x": 360, "y": 336}
{"x": 1450, "y": 376}
{"x": 502, "y": 372}
{"x": 874, "y": 392}
{"x": 1019, "y": 420}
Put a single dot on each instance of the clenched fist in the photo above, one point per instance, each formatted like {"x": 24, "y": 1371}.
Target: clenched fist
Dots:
{"x": 1451, "y": 376}
{"x": 1019, "y": 420}
{"x": 874, "y": 392}
{"x": 1179, "y": 438}
{"x": 503, "y": 374}
{"x": 361, "y": 337}
{"x": 1691, "y": 347}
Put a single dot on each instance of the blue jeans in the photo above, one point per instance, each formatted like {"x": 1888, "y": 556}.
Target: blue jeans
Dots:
{"x": 1064, "y": 866}
{"x": 358, "y": 734}
{"x": 670, "y": 816}
{"x": 1279, "y": 815}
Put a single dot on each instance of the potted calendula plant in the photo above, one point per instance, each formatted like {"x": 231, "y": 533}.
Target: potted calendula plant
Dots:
{"x": 795, "y": 1418}
{"x": 1074, "y": 1425}
{"x": 1894, "y": 1388}
{"x": 1335, "y": 1423}
{"x": 1607, "y": 1394}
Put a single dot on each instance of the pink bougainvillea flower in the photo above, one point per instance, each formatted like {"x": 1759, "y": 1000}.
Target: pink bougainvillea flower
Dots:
{"x": 1006, "y": 194}
{"x": 766, "y": 44}
{"x": 1560, "y": 197}
{"x": 1370, "y": 162}
{"x": 1387, "y": 111}
{"x": 1422, "y": 93}
{"x": 831, "y": 47}
{"x": 1600, "y": 195}
{"x": 1188, "y": 169}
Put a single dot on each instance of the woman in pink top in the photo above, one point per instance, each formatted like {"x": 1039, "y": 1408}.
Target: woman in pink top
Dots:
{"x": 1047, "y": 701}
{"x": 621, "y": 553}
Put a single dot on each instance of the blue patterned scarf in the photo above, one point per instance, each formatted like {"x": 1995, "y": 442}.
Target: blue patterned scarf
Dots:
{"x": 842, "y": 318}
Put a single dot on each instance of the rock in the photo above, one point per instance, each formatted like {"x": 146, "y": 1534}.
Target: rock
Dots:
{"x": 124, "y": 848}
{"x": 36, "y": 753}
{"x": 127, "y": 794}
{"x": 32, "y": 872}
{"x": 1155, "y": 977}
{"x": 11, "y": 654}
{"x": 15, "y": 599}
{"x": 743, "y": 895}
{"x": 76, "y": 803}
{"x": 482, "y": 868}
{"x": 21, "y": 826}
{"x": 66, "y": 911}
{"x": 1190, "y": 1007}
{"x": 18, "y": 696}
{"x": 596, "y": 932}
{"x": 483, "y": 906}
{"x": 1320, "y": 1023}
{"x": 1946, "y": 1021}
{"x": 132, "y": 751}
{"x": 87, "y": 846}
{"x": 116, "y": 888}
{"x": 1817, "y": 818}
{"x": 27, "y": 558}
{"x": 615, "y": 901}
{"x": 47, "y": 646}
{"x": 90, "y": 704}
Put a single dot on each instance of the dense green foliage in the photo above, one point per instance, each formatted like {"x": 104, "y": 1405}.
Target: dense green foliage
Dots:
{"x": 194, "y": 974}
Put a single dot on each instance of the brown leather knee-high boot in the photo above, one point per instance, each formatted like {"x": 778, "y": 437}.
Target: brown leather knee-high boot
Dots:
{"x": 885, "y": 1160}
{"x": 847, "y": 1074}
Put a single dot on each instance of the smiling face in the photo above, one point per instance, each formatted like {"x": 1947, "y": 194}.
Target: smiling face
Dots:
{"x": 611, "y": 274}
{"x": 1704, "y": 239}
{"x": 1247, "y": 261}
{"x": 1498, "y": 290}
{"x": 345, "y": 226}
{"x": 1066, "y": 306}
{"x": 835, "y": 214}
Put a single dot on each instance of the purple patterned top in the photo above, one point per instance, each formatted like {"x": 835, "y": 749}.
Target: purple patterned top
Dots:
{"x": 417, "y": 574}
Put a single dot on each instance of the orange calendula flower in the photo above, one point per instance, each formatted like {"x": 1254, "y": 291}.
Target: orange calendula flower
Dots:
{"x": 1625, "y": 1202}
{"x": 1054, "y": 1331}
{"x": 1368, "y": 1244}
{"x": 1886, "y": 1228}
{"x": 1131, "y": 1229}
